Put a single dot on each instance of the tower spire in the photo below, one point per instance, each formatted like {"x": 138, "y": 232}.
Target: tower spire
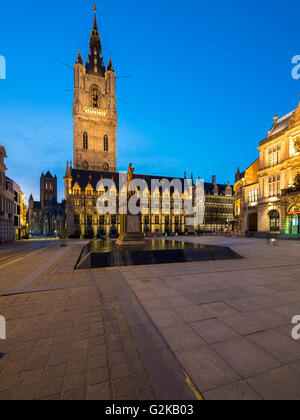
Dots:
{"x": 95, "y": 18}
{"x": 79, "y": 58}
{"x": 95, "y": 64}
{"x": 110, "y": 66}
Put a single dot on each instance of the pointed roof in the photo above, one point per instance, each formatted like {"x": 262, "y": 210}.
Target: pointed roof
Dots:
{"x": 68, "y": 171}
{"x": 95, "y": 19}
{"x": 79, "y": 58}
{"x": 81, "y": 178}
{"x": 95, "y": 64}
{"x": 192, "y": 178}
{"x": 31, "y": 197}
{"x": 3, "y": 151}
{"x": 110, "y": 66}
{"x": 48, "y": 175}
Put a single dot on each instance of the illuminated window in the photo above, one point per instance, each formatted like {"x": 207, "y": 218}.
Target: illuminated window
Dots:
{"x": 253, "y": 196}
{"x": 274, "y": 185}
{"x": 85, "y": 141}
{"x": 105, "y": 141}
{"x": 274, "y": 221}
{"x": 76, "y": 202}
{"x": 85, "y": 165}
{"x": 95, "y": 98}
{"x": 106, "y": 167}
{"x": 238, "y": 207}
{"x": 274, "y": 155}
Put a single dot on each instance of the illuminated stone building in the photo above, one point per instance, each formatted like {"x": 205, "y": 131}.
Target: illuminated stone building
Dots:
{"x": 7, "y": 231}
{"x": 219, "y": 205}
{"x": 83, "y": 219}
{"x": 94, "y": 110}
{"x": 23, "y": 217}
{"x": 246, "y": 191}
{"x": 95, "y": 159}
{"x": 46, "y": 217}
{"x": 18, "y": 221}
{"x": 278, "y": 205}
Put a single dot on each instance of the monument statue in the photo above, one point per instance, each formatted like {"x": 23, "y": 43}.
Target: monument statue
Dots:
{"x": 130, "y": 225}
{"x": 130, "y": 175}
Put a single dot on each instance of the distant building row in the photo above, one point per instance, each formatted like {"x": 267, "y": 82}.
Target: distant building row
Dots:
{"x": 13, "y": 224}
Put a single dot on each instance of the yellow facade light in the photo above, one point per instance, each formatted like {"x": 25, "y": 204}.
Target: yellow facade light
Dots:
{"x": 95, "y": 112}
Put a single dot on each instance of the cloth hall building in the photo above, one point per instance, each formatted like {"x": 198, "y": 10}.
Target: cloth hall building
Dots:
{"x": 95, "y": 158}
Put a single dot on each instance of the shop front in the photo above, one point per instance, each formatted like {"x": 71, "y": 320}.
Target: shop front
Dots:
{"x": 293, "y": 219}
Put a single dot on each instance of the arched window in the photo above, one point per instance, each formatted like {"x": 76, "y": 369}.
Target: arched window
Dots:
{"x": 85, "y": 141}
{"x": 106, "y": 167}
{"x": 105, "y": 141}
{"x": 85, "y": 165}
{"x": 95, "y": 94}
{"x": 294, "y": 219}
{"x": 274, "y": 221}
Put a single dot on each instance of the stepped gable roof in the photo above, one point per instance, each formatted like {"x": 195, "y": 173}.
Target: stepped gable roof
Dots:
{"x": 83, "y": 178}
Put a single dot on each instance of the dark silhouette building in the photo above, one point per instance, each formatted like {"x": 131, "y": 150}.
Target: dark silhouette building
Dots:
{"x": 46, "y": 217}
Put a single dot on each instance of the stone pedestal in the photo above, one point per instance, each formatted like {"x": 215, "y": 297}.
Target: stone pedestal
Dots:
{"x": 130, "y": 230}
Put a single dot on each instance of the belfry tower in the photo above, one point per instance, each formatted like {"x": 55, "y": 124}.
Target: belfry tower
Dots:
{"x": 94, "y": 110}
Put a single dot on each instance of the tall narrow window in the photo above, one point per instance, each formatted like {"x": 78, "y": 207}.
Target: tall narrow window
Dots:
{"x": 95, "y": 98}
{"x": 105, "y": 141}
{"x": 106, "y": 167}
{"x": 278, "y": 192}
{"x": 85, "y": 141}
{"x": 274, "y": 221}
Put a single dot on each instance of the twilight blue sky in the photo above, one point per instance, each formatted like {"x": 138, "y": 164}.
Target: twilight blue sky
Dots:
{"x": 207, "y": 79}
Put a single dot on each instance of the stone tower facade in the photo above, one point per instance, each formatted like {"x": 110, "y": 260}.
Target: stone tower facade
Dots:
{"x": 48, "y": 188}
{"x": 94, "y": 110}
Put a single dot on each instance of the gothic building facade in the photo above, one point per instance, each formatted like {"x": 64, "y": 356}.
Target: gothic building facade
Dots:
{"x": 94, "y": 110}
{"x": 46, "y": 217}
{"x": 95, "y": 158}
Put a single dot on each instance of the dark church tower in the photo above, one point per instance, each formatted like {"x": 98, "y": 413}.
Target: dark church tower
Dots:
{"x": 48, "y": 189}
